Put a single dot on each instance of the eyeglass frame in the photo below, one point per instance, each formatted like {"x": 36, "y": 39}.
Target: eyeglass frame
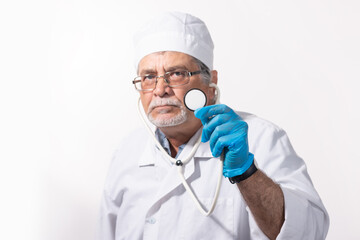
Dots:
{"x": 188, "y": 75}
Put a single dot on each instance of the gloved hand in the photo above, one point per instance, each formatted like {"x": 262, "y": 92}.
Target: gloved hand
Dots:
{"x": 227, "y": 132}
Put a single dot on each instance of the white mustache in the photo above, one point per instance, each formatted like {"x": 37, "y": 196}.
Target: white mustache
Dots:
{"x": 164, "y": 102}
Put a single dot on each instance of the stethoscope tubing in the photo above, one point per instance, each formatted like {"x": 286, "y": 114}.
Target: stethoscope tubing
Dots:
{"x": 181, "y": 166}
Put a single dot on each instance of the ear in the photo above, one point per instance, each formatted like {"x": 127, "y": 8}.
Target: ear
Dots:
{"x": 214, "y": 76}
{"x": 211, "y": 92}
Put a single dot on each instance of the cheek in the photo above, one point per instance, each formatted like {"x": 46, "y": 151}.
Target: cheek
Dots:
{"x": 179, "y": 94}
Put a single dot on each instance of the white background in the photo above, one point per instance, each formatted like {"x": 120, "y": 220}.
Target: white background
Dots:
{"x": 66, "y": 98}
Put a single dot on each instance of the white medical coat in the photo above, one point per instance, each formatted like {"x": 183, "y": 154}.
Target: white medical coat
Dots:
{"x": 144, "y": 198}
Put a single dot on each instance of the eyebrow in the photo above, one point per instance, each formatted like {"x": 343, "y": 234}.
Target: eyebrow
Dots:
{"x": 169, "y": 69}
{"x": 176, "y": 67}
{"x": 147, "y": 71}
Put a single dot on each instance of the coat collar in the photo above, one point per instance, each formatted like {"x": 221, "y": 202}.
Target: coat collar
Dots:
{"x": 148, "y": 153}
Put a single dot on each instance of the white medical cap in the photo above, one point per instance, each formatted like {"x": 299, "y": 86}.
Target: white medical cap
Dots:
{"x": 175, "y": 31}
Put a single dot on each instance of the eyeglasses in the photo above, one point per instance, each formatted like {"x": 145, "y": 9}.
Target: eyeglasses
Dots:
{"x": 173, "y": 79}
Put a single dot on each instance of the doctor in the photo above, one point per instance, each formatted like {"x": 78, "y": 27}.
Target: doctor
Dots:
{"x": 269, "y": 195}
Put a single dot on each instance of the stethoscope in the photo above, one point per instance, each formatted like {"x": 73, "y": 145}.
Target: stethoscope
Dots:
{"x": 193, "y": 99}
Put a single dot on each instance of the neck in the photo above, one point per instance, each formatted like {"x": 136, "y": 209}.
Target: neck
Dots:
{"x": 179, "y": 135}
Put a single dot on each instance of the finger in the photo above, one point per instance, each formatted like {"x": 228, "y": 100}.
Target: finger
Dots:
{"x": 215, "y": 122}
{"x": 210, "y": 126}
{"x": 221, "y": 130}
{"x": 235, "y": 133}
{"x": 220, "y": 145}
{"x": 205, "y": 113}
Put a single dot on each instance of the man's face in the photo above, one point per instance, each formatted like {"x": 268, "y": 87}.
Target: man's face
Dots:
{"x": 164, "y": 105}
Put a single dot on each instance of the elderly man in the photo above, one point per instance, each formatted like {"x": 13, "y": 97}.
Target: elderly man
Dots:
{"x": 270, "y": 194}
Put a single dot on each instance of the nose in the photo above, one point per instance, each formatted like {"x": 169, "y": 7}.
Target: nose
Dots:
{"x": 161, "y": 87}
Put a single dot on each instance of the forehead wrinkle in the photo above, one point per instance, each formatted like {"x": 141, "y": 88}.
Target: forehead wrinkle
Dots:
{"x": 153, "y": 65}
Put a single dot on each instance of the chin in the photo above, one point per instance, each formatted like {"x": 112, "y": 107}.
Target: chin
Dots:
{"x": 164, "y": 120}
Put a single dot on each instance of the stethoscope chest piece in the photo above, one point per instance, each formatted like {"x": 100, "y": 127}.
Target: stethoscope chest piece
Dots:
{"x": 194, "y": 99}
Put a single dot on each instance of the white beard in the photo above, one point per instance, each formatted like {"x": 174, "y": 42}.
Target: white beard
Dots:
{"x": 168, "y": 122}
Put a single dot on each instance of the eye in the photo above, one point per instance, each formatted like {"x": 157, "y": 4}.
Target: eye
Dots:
{"x": 148, "y": 77}
{"x": 177, "y": 75}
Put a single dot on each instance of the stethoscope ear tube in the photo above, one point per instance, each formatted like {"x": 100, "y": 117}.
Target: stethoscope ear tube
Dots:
{"x": 217, "y": 94}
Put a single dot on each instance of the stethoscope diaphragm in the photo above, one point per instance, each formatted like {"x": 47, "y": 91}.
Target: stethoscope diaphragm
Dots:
{"x": 194, "y": 99}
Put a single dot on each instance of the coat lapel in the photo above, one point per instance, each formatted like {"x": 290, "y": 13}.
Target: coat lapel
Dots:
{"x": 172, "y": 179}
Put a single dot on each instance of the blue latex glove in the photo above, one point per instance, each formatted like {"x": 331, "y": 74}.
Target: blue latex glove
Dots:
{"x": 227, "y": 132}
